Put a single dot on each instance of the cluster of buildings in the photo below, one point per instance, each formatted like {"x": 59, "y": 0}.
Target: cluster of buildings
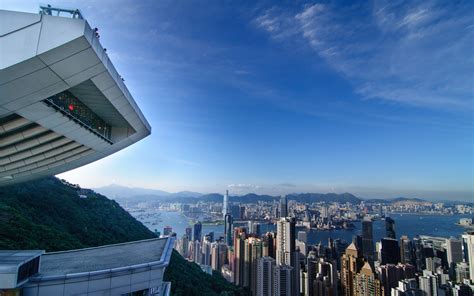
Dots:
{"x": 282, "y": 262}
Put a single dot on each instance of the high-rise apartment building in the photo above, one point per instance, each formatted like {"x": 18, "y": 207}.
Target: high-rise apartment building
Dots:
{"x": 269, "y": 245}
{"x": 351, "y": 262}
{"x": 218, "y": 255}
{"x": 255, "y": 253}
{"x": 283, "y": 284}
{"x": 286, "y": 253}
{"x": 228, "y": 229}
{"x": 206, "y": 251}
{"x": 367, "y": 283}
{"x": 265, "y": 276}
{"x": 239, "y": 256}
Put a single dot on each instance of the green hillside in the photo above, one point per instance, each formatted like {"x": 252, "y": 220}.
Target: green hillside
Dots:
{"x": 49, "y": 214}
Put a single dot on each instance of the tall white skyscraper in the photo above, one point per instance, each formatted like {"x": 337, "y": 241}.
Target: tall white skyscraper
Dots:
{"x": 286, "y": 253}
{"x": 225, "y": 206}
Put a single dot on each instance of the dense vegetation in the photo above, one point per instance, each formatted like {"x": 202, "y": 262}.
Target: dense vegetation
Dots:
{"x": 47, "y": 214}
{"x": 50, "y": 215}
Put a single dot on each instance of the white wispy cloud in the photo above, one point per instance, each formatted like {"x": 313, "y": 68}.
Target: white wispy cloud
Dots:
{"x": 411, "y": 53}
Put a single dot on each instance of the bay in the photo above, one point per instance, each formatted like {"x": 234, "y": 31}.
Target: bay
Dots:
{"x": 405, "y": 224}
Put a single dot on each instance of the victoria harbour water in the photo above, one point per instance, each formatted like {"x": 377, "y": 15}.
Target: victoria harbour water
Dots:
{"x": 405, "y": 224}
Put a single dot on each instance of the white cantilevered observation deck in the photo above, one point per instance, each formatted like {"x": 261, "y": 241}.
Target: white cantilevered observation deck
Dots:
{"x": 62, "y": 103}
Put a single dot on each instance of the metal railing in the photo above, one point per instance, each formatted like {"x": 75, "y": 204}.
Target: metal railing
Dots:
{"x": 56, "y": 11}
{"x": 72, "y": 107}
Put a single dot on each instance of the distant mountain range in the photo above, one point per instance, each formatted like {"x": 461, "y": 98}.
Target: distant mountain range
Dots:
{"x": 136, "y": 195}
{"x": 117, "y": 191}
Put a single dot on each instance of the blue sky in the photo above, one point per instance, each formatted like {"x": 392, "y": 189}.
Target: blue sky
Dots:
{"x": 373, "y": 98}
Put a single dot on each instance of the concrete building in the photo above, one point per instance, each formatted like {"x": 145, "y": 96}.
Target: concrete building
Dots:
{"x": 62, "y": 103}
{"x": 119, "y": 269}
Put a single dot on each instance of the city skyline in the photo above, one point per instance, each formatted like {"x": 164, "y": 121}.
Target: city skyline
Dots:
{"x": 298, "y": 104}
{"x": 276, "y": 105}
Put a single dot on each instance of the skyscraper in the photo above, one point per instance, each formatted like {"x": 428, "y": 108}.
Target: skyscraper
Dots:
{"x": 367, "y": 283}
{"x": 454, "y": 254}
{"x": 390, "y": 251}
{"x": 225, "y": 206}
{"x": 390, "y": 275}
{"x": 239, "y": 256}
{"x": 268, "y": 241}
{"x": 325, "y": 282}
{"x": 351, "y": 262}
{"x": 283, "y": 285}
{"x": 283, "y": 206}
{"x": 406, "y": 250}
{"x": 286, "y": 253}
{"x": 197, "y": 231}
{"x": 255, "y": 253}
{"x": 265, "y": 276}
{"x": 189, "y": 233}
{"x": 469, "y": 245}
{"x": 218, "y": 255}
{"x": 367, "y": 240}
{"x": 390, "y": 227}
{"x": 206, "y": 251}
{"x": 228, "y": 224}
{"x": 183, "y": 246}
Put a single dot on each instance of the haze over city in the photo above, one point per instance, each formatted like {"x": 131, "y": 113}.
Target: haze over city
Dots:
{"x": 369, "y": 98}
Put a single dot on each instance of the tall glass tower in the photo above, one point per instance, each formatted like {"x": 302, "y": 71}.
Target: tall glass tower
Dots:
{"x": 225, "y": 206}
{"x": 367, "y": 239}
{"x": 283, "y": 206}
